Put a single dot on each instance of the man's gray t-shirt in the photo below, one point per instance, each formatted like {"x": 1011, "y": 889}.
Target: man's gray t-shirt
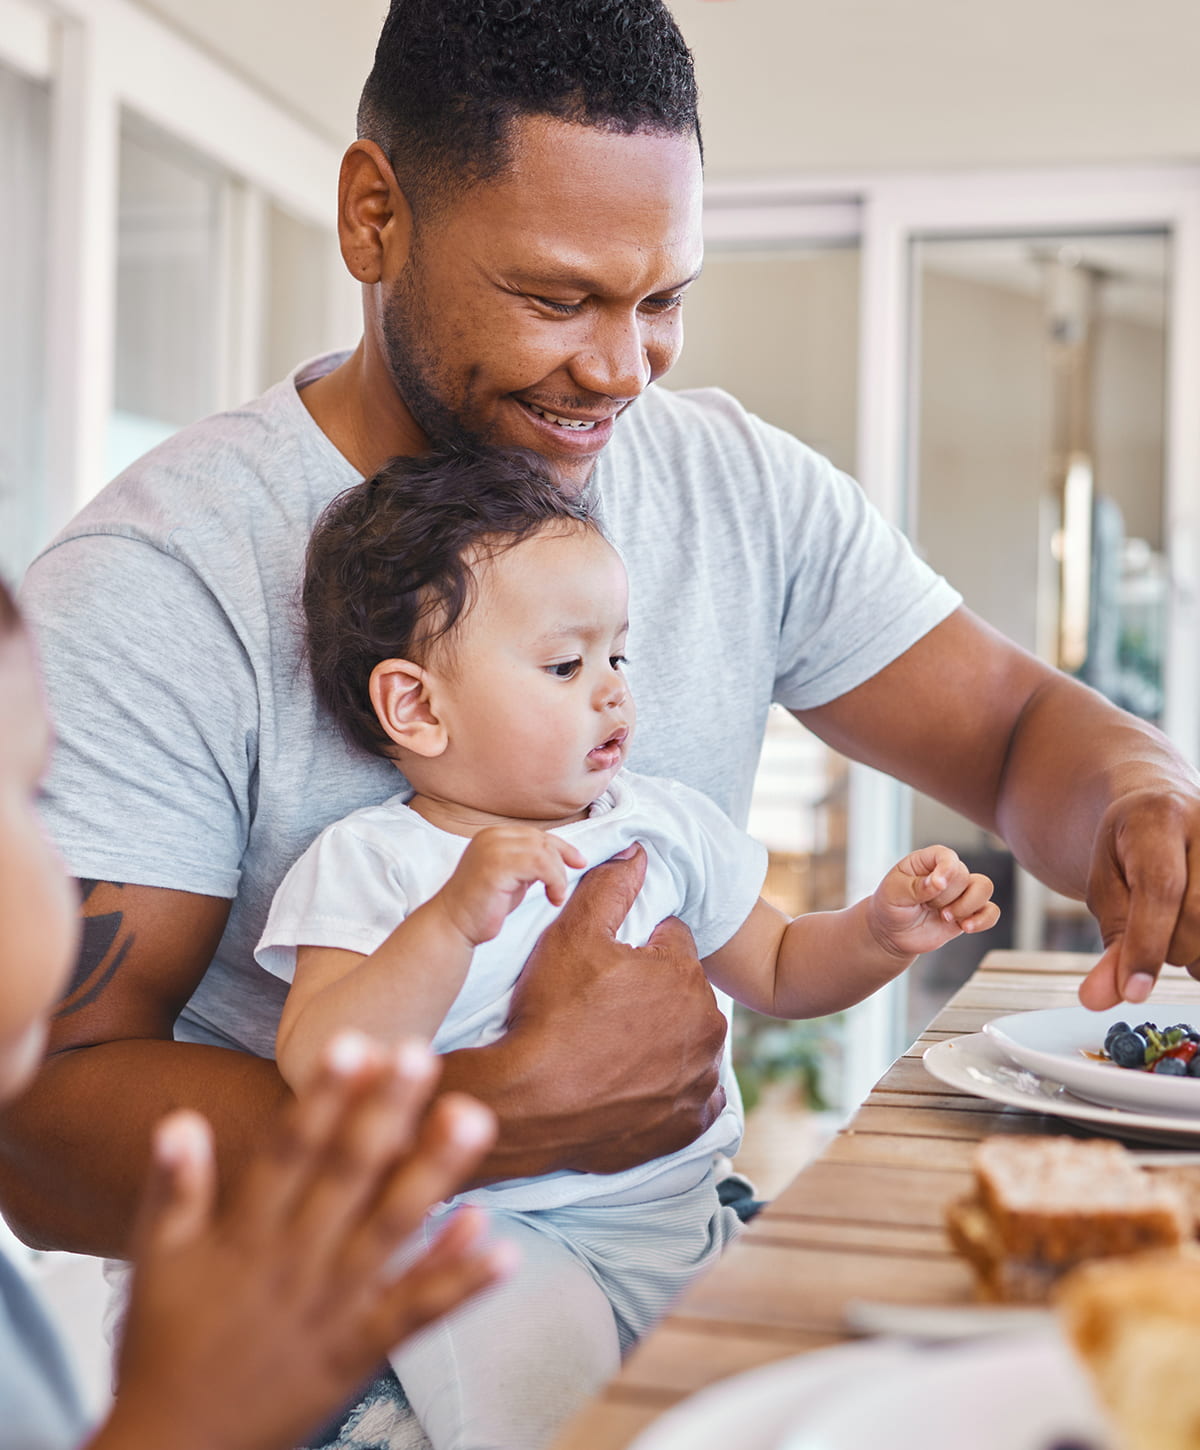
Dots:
{"x": 191, "y": 753}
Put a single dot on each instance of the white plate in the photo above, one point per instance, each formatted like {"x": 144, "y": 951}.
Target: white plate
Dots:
{"x": 756, "y": 1410}
{"x": 1020, "y": 1393}
{"x": 1053, "y": 1043}
{"x": 975, "y": 1064}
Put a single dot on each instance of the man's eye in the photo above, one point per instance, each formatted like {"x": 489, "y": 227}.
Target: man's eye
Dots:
{"x": 663, "y": 304}
{"x": 564, "y": 307}
{"x": 564, "y": 669}
{"x": 616, "y": 661}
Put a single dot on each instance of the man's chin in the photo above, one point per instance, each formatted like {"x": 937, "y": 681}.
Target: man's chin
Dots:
{"x": 571, "y": 456}
{"x": 571, "y": 475}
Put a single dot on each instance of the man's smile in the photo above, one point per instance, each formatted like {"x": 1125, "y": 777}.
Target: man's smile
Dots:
{"x": 560, "y": 421}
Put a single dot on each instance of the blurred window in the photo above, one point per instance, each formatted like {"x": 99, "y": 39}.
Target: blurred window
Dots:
{"x": 302, "y": 263}
{"x": 169, "y": 296}
{"x": 777, "y": 326}
{"x": 24, "y": 146}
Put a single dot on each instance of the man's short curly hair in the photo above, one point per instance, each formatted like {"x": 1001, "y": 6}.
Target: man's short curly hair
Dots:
{"x": 390, "y": 568}
{"x": 450, "y": 77}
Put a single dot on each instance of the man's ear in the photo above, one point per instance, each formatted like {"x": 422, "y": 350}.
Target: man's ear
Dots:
{"x": 374, "y": 218}
{"x": 401, "y": 694}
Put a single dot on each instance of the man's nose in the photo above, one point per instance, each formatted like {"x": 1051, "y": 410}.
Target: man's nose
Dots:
{"x": 615, "y": 361}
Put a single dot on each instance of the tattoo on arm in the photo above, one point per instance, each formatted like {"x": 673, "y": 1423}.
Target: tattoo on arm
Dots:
{"x": 102, "y": 949}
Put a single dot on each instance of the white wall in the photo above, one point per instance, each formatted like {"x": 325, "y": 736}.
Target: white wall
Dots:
{"x": 312, "y": 55}
{"x": 800, "y": 85}
{"x": 794, "y": 85}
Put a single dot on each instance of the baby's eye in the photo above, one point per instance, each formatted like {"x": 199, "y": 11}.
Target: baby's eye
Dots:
{"x": 564, "y": 669}
{"x": 616, "y": 661}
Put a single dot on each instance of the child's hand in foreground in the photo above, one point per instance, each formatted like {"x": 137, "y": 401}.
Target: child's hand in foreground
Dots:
{"x": 496, "y": 870}
{"x": 253, "y": 1322}
{"x": 928, "y": 899}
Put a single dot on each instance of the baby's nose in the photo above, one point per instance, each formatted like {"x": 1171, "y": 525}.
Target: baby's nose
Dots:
{"x": 615, "y": 694}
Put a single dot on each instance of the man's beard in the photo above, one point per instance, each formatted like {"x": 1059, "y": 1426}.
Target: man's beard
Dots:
{"x": 411, "y": 370}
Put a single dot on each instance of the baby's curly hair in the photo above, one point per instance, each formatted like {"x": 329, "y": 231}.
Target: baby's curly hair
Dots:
{"x": 450, "y": 77}
{"x": 390, "y": 568}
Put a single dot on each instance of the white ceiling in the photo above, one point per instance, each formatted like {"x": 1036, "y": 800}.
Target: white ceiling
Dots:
{"x": 797, "y": 85}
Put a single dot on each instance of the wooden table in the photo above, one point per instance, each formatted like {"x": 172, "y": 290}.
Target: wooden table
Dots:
{"x": 862, "y": 1221}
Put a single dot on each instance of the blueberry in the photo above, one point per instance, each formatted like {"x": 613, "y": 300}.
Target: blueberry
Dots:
{"x": 1193, "y": 1067}
{"x": 1113, "y": 1031}
{"x": 1170, "y": 1067}
{"x": 1128, "y": 1049}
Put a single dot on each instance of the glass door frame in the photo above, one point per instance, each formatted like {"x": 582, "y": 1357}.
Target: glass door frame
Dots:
{"x": 886, "y": 214}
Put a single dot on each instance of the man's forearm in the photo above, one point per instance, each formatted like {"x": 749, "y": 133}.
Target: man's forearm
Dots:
{"x": 1072, "y": 755}
{"x": 74, "y": 1149}
{"x": 1004, "y": 739}
{"x": 535, "y": 1134}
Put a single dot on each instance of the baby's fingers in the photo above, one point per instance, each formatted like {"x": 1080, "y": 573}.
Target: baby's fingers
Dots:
{"x": 559, "y": 854}
{"x": 938, "y": 876}
{"x": 973, "y": 910}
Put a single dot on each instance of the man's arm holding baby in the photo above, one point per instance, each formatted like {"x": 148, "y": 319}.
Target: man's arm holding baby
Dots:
{"x": 829, "y": 960}
{"x": 607, "y": 1063}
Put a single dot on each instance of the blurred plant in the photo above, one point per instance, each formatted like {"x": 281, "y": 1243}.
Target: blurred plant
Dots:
{"x": 806, "y": 1054}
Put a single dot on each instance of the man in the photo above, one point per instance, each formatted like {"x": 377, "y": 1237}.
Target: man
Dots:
{"x": 522, "y": 208}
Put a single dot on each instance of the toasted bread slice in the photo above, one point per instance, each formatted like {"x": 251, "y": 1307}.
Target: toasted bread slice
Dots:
{"x": 1060, "y": 1201}
{"x": 1043, "y": 1205}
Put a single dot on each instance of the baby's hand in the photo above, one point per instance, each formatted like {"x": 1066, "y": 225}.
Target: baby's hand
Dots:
{"x": 928, "y": 899}
{"x": 496, "y": 870}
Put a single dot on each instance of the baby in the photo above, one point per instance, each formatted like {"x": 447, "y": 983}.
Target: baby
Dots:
{"x": 467, "y": 620}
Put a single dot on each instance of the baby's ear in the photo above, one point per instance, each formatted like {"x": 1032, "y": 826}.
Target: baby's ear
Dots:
{"x": 402, "y": 698}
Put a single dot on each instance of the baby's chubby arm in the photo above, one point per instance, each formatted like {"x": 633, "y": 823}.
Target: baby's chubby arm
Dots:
{"x": 829, "y": 960}
{"x": 406, "y": 986}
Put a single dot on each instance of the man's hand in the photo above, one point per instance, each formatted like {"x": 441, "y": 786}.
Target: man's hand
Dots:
{"x": 251, "y": 1323}
{"x": 1144, "y": 889}
{"x": 620, "y": 1045}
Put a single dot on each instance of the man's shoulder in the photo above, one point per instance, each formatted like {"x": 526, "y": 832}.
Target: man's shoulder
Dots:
{"x": 702, "y": 432}
{"x": 222, "y": 467}
{"x": 686, "y": 408}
